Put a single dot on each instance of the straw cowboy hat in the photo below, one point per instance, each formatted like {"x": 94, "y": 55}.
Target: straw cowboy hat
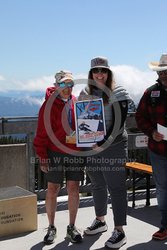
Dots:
{"x": 161, "y": 65}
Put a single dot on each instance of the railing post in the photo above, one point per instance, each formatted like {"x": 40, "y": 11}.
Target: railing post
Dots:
{"x": 31, "y": 162}
{"x": 3, "y": 125}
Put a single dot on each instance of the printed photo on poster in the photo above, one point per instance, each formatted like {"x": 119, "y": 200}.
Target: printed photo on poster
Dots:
{"x": 90, "y": 122}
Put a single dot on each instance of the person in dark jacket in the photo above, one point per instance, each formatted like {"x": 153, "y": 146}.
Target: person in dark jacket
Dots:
{"x": 151, "y": 116}
{"x": 106, "y": 168}
{"x": 55, "y": 123}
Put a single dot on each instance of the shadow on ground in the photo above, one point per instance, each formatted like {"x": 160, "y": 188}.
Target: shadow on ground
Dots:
{"x": 150, "y": 245}
{"x": 85, "y": 245}
{"x": 148, "y": 214}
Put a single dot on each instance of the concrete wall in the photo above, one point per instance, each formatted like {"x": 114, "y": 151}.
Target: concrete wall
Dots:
{"x": 22, "y": 125}
{"x": 13, "y": 166}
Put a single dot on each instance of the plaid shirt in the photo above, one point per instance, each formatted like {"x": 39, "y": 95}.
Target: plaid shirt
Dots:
{"x": 152, "y": 109}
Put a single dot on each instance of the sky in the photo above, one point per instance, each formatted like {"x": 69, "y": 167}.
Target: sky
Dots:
{"x": 40, "y": 37}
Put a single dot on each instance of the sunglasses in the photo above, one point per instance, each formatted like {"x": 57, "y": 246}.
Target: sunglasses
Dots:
{"x": 99, "y": 70}
{"x": 66, "y": 84}
{"x": 164, "y": 72}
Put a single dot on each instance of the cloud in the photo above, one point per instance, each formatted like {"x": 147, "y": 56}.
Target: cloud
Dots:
{"x": 33, "y": 100}
{"x": 39, "y": 84}
{"x": 2, "y": 78}
{"x": 28, "y": 100}
{"x": 133, "y": 79}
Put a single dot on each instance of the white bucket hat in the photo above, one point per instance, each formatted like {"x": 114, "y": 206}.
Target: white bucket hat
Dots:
{"x": 161, "y": 65}
{"x": 63, "y": 75}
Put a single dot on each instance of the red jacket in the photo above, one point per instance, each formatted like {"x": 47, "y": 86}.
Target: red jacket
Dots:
{"x": 53, "y": 125}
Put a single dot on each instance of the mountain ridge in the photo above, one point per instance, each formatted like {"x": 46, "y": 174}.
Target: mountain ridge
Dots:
{"x": 20, "y": 106}
{"x": 26, "y": 104}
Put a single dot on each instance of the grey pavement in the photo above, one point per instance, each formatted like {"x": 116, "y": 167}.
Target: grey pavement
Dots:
{"x": 142, "y": 222}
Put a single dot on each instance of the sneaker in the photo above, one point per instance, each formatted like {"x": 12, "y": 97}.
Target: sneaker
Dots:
{"x": 160, "y": 235}
{"x": 96, "y": 227}
{"x": 117, "y": 239}
{"x": 73, "y": 234}
{"x": 50, "y": 236}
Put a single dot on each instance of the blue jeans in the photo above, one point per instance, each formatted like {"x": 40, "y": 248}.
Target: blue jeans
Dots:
{"x": 159, "y": 165}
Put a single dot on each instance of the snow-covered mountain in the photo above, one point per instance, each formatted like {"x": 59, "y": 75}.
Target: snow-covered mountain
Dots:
{"x": 25, "y": 104}
{"x": 20, "y": 105}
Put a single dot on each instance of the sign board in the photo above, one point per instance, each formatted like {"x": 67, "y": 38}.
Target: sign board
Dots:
{"x": 18, "y": 211}
{"x": 89, "y": 122}
{"x": 141, "y": 141}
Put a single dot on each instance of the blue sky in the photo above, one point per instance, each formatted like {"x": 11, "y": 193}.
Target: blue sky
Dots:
{"x": 40, "y": 37}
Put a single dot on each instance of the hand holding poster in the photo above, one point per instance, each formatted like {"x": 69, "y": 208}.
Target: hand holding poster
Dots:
{"x": 89, "y": 122}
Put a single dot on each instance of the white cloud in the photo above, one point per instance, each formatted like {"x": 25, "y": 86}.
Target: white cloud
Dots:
{"x": 37, "y": 101}
{"x": 133, "y": 79}
{"x": 33, "y": 100}
{"x": 39, "y": 84}
{"x": 2, "y": 78}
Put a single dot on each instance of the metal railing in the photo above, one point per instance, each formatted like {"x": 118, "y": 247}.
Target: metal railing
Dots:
{"x": 37, "y": 183}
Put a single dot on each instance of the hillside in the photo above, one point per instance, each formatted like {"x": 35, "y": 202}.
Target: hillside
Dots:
{"x": 23, "y": 104}
{"x": 19, "y": 106}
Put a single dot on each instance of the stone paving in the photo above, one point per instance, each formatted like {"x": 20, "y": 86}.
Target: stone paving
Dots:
{"x": 142, "y": 223}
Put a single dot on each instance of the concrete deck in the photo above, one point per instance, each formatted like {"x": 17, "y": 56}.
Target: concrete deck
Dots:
{"x": 142, "y": 223}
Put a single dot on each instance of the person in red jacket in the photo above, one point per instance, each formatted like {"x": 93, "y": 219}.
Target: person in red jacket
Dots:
{"x": 151, "y": 116}
{"x": 56, "y": 156}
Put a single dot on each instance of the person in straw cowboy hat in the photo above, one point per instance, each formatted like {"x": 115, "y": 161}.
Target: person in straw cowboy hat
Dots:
{"x": 150, "y": 116}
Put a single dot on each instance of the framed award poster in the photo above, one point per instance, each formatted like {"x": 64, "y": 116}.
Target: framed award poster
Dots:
{"x": 89, "y": 122}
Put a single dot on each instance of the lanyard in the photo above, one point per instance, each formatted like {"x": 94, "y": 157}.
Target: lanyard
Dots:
{"x": 68, "y": 106}
{"x": 69, "y": 115}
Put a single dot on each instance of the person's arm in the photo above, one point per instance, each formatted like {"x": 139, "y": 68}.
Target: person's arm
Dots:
{"x": 118, "y": 115}
{"x": 122, "y": 98}
{"x": 122, "y": 113}
{"x": 41, "y": 141}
